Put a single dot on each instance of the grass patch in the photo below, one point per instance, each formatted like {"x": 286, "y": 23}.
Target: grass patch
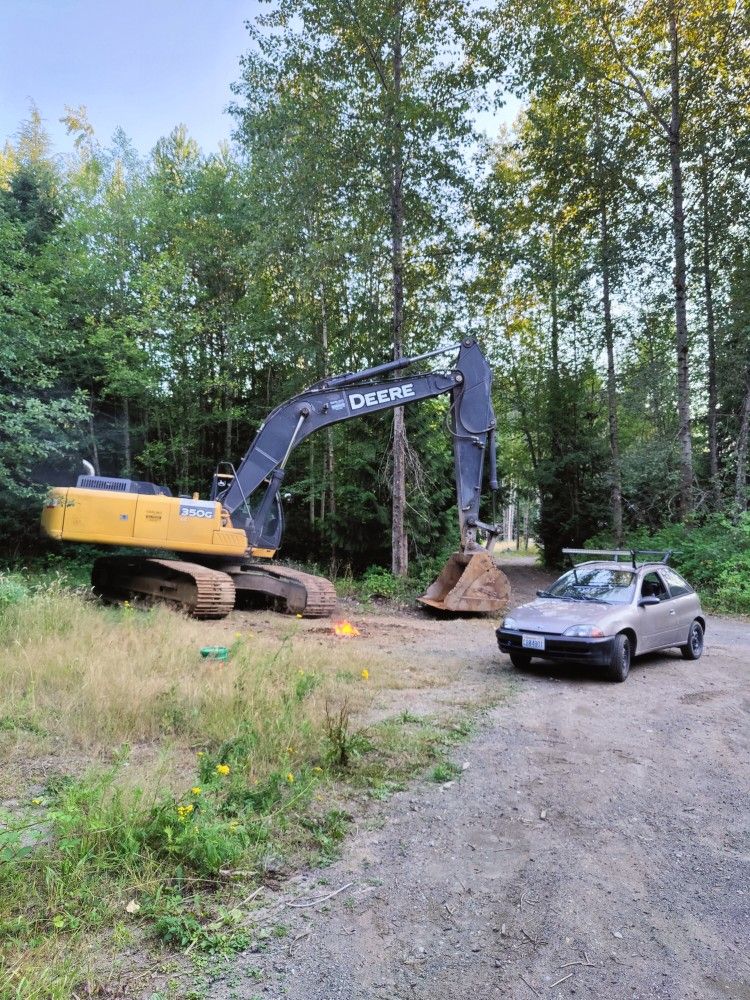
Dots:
{"x": 145, "y": 787}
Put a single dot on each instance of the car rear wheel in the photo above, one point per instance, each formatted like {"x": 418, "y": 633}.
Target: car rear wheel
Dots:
{"x": 520, "y": 660}
{"x": 619, "y": 664}
{"x": 693, "y": 648}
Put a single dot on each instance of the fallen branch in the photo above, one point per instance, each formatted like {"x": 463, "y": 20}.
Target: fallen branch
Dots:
{"x": 251, "y": 896}
{"x": 588, "y": 964}
{"x": 530, "y": 986}
{"x": 299, "y": 937}
{"x": 569, "y": 976}
{"x": 316, "y": 902}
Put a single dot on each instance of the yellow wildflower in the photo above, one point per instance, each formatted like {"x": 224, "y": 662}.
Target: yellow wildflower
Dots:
{"x": 37, "y": 802}
{"x": 201, "y": 753}
{"x": 196, "y": 790}
{"x": 126, "y": 604}
{"x": 290, "y": 778}
{"x": 238, "y": 635}
{"x": 184, "y": 811}
{"x": 365, "y": 674}
{"x": 290, "y": 749}
{"x": 234, "y": 824}
{"x": 298, "y": 616}
{"x": 318, "y": 770}
{"x": 223, "y": 769}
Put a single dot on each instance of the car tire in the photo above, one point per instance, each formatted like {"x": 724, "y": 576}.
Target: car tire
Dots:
{"x": 619, "y": 664}
{"x": 520, "y": 660}
{"x": 693, "y": 648}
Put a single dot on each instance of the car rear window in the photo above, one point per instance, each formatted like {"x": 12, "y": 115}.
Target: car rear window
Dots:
{"x": 615, "y": 586}
{"x": 677, "y": 586}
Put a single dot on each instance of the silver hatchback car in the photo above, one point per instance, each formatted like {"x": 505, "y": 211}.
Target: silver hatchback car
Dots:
{"x": 604, "y": 612}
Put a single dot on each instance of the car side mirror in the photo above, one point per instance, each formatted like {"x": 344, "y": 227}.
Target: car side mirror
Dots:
{"x": 648, "y": 602}
{"x": 541, "y": 593}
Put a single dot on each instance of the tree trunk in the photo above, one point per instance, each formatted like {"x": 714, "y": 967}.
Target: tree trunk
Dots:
{"x": 399, "y": 542}
{"x": 328, "y": 457}
{"x": 713, "y": 443}
{"x": 680, "y": 278}
{"x": 311, "y": 499}
{"x": 94, "y": 444}
{"x": 126, "y": 437}
{"x": 740, "y": 487}
{"x": 609, "y": 338}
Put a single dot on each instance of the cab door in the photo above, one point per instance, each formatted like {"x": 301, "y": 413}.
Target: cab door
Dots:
{"x": 657, "y": 621}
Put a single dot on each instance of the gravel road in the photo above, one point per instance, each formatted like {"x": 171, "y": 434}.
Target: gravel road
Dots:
{"x": 596, "y": 846}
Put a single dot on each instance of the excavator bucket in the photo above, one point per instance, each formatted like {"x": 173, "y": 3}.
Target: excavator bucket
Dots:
{"x": 469, "y": 582}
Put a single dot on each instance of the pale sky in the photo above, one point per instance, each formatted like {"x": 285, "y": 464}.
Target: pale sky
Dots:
{"x": 142, "y": 65}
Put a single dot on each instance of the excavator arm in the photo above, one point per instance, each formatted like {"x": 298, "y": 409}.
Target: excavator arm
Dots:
{"x": 346, "y": 397}
{"x": 244, "y": 520}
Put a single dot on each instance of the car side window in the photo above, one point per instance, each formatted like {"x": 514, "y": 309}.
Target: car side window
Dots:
{"x": 677, "y": 586}
{"x": 652, "y": 585}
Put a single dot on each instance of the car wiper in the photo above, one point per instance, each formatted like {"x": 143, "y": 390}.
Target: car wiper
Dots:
{"x": 544, "y": 593}
{"x": 596, "y": 600}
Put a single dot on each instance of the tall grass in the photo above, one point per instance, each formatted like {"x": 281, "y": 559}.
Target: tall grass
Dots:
{"x": 99, "y": 676}
{"x": 141, "y": 773}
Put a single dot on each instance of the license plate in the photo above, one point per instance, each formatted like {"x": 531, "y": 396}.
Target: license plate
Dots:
{"x": 532, "y": 641}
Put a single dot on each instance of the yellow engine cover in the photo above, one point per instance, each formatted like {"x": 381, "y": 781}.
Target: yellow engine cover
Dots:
{"x": 101, "y": 517}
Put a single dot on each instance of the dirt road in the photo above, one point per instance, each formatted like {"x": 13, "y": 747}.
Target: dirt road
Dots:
{"x": 595, "y": 846}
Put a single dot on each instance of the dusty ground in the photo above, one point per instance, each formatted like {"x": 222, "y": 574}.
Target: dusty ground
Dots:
{"x": 595, "y": 846}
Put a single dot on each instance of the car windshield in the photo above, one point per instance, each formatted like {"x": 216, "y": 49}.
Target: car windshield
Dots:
{"x": 594, "y": 583}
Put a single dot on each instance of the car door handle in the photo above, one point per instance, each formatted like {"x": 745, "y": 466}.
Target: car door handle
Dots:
{"x": 672, "y": 612}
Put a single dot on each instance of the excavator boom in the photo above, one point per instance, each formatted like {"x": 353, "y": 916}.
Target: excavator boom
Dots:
{"x": 243, "y": 520}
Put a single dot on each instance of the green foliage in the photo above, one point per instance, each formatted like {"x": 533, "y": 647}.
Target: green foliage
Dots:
{"x": 13, "y": 589}
{"x": 344, "y": 746}
{"x": 713, "y": 556}
{"x": 380, "y": 582}
{"x": 328, "y": 831}
{"x": 181, "y": 928}
{"x": 445, "y": 771}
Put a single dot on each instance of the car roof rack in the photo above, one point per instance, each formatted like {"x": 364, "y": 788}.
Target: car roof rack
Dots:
{"x": 664, "y": 555}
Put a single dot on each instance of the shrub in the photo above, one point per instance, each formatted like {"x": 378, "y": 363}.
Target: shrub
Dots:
{"x": 12, "y": 589}
{"x": 714, "y": 556}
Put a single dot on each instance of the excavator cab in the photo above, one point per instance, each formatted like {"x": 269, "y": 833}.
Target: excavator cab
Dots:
{"x": 272, "y": 530}
{"x": 263, "y": 538}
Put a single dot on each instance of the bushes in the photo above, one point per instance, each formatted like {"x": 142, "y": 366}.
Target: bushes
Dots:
{"x": 379, "y": 583}
{"x": 12, "y": 589}
{"x": 714, "y": 556}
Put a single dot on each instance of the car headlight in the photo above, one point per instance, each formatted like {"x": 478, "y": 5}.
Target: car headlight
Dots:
{"x": 588, "y": 631}
{"x": 510, "y": 623}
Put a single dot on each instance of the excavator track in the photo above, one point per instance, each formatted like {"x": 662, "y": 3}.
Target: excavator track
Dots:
{"x": 194, "y": 589}
{"x": 296, "y": 592}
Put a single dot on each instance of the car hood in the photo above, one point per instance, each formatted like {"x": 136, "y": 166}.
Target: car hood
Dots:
{"x": 550, "y": 615}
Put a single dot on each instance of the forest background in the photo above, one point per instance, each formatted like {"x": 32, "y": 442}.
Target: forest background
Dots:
{"x": 154, "y": 309}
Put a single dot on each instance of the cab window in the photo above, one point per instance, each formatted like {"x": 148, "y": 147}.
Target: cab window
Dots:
{"x": 652, "y": 585}
{"x": 677, "y": 586}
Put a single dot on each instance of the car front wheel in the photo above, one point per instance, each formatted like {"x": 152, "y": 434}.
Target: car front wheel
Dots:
{"x": 693, "y": 648}
{"x": 619, "y": 664}
{"x": 520, "y": 660}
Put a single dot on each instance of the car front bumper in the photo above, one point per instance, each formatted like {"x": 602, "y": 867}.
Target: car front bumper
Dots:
{"x": 576, "y": 649}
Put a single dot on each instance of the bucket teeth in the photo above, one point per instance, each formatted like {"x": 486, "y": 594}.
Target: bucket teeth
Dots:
{"x": 470, "y": 582}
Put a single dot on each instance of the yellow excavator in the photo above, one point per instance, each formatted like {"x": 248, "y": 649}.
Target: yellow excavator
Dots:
{"x": 230, "y": 538}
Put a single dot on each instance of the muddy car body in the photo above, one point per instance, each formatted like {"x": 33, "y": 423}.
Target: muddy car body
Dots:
{"x": 604, "y": 612}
